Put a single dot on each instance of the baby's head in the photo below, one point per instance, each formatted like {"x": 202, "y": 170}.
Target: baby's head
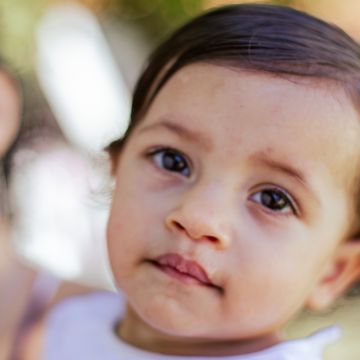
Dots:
{"x": 236, "y": 182}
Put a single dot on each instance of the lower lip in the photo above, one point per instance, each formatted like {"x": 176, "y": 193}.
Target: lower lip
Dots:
{"x": 184, "y": 278}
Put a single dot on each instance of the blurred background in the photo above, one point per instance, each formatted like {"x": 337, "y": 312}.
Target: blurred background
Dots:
{"x": 78, "y": 62}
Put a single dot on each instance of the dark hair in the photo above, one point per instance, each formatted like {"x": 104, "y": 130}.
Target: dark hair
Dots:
{"x": 256, "y": 37}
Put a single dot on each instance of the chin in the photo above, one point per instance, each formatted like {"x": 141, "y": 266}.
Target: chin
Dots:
{"x": 171, "y": 318}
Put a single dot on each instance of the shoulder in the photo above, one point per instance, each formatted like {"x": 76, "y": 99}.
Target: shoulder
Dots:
{"x": 310, "y": 348}
{"x": 101, "y": 305}
{"x": 82, "y": 327}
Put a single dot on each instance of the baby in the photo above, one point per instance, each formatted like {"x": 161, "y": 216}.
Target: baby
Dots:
{"x": 236, "y": 197}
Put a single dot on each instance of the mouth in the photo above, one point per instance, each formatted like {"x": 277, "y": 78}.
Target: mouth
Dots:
{"x": 187, "y": 271}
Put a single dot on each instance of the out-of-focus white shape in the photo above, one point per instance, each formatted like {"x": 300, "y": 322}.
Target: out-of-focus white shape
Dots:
{"x": 80, "y": 77}
{"x": 58, "y": 225}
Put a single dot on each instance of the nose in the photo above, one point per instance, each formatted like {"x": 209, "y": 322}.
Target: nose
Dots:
{"x": 202, "y": 215}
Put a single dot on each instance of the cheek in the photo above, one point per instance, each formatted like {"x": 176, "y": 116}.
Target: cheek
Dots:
{"x": 132, "y": 228}
{"x": 257, "y": 303}
{"x": 264, "y": 270}
{"x": 122, "y": 235}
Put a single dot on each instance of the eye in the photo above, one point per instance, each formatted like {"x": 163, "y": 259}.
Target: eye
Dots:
{"x": 171, "y": 160}
{"x": 276, "y": 200}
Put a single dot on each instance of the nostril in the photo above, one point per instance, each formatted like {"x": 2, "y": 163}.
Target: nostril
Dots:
{"x": 212, "y": 239}
{"x": 181, "y": 228}
{"x": 178, "y": 226}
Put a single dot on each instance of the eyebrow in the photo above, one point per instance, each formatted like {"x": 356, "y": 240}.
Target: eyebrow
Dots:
{"x": 191, "y": 135}
{"x": 260, "y": 157}
{"x": 285, "y": 168}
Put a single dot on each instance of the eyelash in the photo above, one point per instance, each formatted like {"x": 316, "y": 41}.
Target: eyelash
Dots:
{"x": 180, "y": 158}
{"x": 289, "y": 201}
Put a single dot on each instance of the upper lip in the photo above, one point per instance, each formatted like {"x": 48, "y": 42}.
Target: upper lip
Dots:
{"x": 188, "y": 267}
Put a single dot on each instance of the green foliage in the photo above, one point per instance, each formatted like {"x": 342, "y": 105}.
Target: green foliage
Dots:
{"x": 159, "y": 17}
{"x": 18, "y": 19}
{"x": 156, "y": 17}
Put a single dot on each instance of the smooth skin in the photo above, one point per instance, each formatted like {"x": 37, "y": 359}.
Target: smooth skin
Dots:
{"x": 250, "y": 176}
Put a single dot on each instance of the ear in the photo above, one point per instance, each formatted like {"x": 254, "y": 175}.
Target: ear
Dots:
{"x": 342, "y": 272}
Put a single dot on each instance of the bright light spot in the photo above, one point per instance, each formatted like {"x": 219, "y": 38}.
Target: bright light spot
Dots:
{"x": 58, "y": 227}
{"x": 80, "y": 78}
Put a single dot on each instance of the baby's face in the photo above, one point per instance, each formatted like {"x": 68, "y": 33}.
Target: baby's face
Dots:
{"x": 230, "y": 202}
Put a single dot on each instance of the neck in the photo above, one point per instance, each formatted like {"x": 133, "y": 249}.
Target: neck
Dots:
{"x": 136, "y": 332}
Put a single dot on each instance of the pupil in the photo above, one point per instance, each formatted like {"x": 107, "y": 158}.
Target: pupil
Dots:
{"x": 273, "y": 200}
{"x": 173, "y": 162}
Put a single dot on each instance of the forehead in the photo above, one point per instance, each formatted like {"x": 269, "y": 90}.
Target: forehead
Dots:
{"x": 304, "y": 120}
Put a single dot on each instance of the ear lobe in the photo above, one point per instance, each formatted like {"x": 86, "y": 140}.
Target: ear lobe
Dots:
{"x": 342, "y": 272}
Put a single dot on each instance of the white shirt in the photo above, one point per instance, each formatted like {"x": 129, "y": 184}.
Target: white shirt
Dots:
{"x": 83, "y": 328}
